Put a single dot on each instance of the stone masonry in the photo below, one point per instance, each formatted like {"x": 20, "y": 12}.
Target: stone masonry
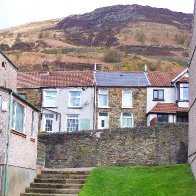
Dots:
{"x": 115, "y": 106}
{"x": 160, "y": 144}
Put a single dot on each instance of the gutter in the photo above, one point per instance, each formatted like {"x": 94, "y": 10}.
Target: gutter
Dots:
{"x": 8, "y": 143}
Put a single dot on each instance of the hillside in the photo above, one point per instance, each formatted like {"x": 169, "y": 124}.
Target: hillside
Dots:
{"x": 132, "y": 35}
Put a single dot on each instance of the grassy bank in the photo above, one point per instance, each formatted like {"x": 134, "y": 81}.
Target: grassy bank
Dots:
{"x": 141, "y": 181}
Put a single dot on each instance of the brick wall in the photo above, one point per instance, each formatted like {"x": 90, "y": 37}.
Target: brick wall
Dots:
{"x": 160, "y": 144}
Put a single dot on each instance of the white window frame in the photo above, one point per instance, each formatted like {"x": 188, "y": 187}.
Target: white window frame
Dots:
{"x": 14, "y": 116}
{"x": 131, "y": 117}
{"x": 106, "y": 120}
{"x": 124, "y": 105}
{"x": 45, "y": 104}
{"x": 101, "y": 92}
{"x": 78, "y": 97}
{"x": 182, "y": 87}
{"x": 68, "y": 117}
{"x": 49, "y": 118}
{"x": 33, "y": 125}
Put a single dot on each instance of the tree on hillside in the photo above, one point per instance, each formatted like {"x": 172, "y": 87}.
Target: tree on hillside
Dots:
{"x": 140, "y": 36}
{"x": 112, "y": 56}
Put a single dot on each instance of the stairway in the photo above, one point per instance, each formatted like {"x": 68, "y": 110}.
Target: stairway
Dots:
{"x": 66, "y": 182}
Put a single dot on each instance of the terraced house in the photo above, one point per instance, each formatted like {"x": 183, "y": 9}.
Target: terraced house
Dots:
{"x": 168, "y": 97}
{"x": 18, "y": 133}
{"x": 120, "y": 99}
{"x": 66, "y": 98}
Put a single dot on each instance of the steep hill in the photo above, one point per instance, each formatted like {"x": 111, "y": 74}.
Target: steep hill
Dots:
{"x": 103, "y": 24}
{"x": 121, "y": 37}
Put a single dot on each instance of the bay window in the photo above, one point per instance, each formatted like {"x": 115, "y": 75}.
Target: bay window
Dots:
{"x": 184, "y": 92}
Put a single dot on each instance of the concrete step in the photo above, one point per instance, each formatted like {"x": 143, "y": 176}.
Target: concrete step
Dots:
{"x": 52, "y": 191}
{"x": 56, "y": 186}
{"x": 59, "y": 181}
{"x": 44, "y": 194}
{"x": 65, "y": 172}
{"x": 62, "y": 176}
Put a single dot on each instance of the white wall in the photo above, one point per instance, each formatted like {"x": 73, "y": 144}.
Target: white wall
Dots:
{"x": 169, "y": 96}
{"x": 171, "y": 118}
{"x": 85, "y": 112}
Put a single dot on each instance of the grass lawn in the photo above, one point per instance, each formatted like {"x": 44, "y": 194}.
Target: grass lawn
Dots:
{"x": 171, "y": 180}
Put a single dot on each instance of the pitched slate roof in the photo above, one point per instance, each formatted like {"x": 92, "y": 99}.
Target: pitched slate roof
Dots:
{"x": 54, "y": 79}
{"x": 168, "y": 108}
{"x": 121, "y": 79}
{"x": 161, "y": 78}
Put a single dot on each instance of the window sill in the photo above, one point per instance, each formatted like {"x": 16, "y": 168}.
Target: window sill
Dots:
{"x": 18, "y": 133}
{"x": 127, "y": 107}
{"x": 103, "y": 107}
{"x": 49, "y": 107}
{"x": 182, "y": 100}
{"x": 72, "y": 107}
{"x": 158, "y": 99}
{"x": 32, "y": 139}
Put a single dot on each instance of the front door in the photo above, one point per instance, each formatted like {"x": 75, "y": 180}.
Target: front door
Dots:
{"x": 103, "y": 121}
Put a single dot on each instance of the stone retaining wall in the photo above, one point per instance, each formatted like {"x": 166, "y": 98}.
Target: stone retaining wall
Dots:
{"x": 160, "y": 144}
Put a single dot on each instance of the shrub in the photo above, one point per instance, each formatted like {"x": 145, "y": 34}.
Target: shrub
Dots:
{"x": 112, "y": 56}
{"x": 140, "y": 36}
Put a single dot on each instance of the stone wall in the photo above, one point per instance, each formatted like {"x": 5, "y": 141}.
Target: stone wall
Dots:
{"x": 160, "y": 144}
{"x": 115, "y": 106}
{"x": 32, "y": 95}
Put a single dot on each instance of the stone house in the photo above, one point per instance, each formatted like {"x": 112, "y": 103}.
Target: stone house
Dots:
{"x": 192, "y": 110}
{"x": 66, "y": 98}
{"x": 168, "y": 97}
{"x": 120, "y": 99}
{"x": 18, "y": 133}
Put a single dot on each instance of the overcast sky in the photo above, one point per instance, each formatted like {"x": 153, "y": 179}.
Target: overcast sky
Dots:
{"x": 17, "y": 12}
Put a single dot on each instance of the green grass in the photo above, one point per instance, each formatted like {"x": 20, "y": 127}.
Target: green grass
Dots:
{"x": 174, "y": 180}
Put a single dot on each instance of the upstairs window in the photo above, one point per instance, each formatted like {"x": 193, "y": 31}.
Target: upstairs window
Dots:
{"x": 158, "y": 94}
{"x": 50, "y": 98}
{"x": 103, "y": 98}
{"x": 127, "y": 120}
{"x": 184, "y": 92}
{"x": 75, "y": 99}
{"x": 18, "y": 117}
{"x": 126, "y": 98}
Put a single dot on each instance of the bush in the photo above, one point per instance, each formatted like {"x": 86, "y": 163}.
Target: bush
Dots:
{"x": 112, "y": 56}
{"x": 140, "y": 36}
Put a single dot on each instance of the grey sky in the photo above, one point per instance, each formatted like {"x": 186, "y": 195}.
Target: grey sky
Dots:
{"x": 17, "y": 12}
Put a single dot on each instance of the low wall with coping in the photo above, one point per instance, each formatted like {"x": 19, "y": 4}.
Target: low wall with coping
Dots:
{"x": 155, "y": 145}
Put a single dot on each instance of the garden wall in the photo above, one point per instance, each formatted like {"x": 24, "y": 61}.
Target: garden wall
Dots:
{"x": 159, "y": 144}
